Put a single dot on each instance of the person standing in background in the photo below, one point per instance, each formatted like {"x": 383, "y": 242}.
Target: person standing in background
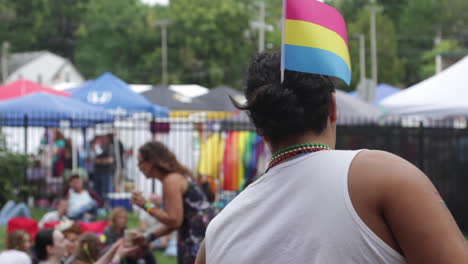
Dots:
{"x": 187, "y": 210}
{"x": 104, "y": 166}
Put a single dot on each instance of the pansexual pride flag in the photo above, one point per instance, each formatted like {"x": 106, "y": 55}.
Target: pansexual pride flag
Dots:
{"x": 315, "y": 39}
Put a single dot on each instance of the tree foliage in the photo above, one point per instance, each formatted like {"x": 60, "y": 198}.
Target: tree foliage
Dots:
{"x": 210, "y": 42}
{"x": 389, "y": 64}
{"x": 12, "y": 169}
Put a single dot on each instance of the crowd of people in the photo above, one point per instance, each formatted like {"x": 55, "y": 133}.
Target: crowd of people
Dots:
{"x": 101, "y": 161}
{"x": 175, "y": 222}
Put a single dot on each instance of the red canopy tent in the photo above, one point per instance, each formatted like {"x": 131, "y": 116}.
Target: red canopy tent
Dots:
{"x": 23, "y": 87}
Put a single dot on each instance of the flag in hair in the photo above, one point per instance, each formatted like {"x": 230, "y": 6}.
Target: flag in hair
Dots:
{"x": 315, "y": 40}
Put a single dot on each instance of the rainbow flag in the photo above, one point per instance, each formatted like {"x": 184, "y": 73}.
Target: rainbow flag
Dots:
{"x": 315, "y": 39}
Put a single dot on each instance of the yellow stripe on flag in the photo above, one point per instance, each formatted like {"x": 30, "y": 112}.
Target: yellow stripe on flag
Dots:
{"x": 306, "y": 34}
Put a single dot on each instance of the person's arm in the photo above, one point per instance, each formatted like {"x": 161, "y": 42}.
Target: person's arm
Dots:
{"x": 415, "y": 213}
{"x": 44, "y": 220}
{"x": 173, "y": 191}
{"x": 96, "y": 198}
{"x": 201, "y": 256}
{"x": 159, "y": 232}
{"x": 115, "y": 254}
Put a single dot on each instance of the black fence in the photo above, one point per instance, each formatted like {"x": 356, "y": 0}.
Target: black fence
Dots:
{"x": 439, "y": 151}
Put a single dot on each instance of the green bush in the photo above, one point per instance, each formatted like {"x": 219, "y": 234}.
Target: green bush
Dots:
{"x": 12, "y": 172}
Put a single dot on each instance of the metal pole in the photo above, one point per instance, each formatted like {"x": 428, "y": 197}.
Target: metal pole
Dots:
{"x": 438, "y": 58}
{"x": 25, "y": 134}
{"x": 373, "y": 35}
{"x": 164, "y": 24}
{"x": 362, "y": 56}
{"x": 5, "y": 48}
{"x": 164, "y": 54}
{"x": 421, "y": 141}
{"x": 262, "y": 26}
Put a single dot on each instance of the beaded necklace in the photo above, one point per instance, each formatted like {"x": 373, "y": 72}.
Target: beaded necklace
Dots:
{"x": 293, "y": 151}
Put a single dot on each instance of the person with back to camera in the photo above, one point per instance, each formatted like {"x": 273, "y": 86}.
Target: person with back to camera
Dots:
{"x": 315, "y": 204}
{"x": 187, "y": 208}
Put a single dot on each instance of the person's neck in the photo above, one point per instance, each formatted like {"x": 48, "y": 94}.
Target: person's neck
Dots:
{"x": 119, "y": 230}
{"x": 308, "y": 137}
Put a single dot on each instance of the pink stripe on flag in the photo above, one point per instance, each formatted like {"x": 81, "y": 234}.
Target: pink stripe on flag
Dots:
{"x": 318, "y": 13}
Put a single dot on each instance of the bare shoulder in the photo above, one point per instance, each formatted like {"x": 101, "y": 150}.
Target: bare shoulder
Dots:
{"x": 175, "y": 181}
{"x": 385, "y": 175}
{"x": 174, "y": 177}
{"x": 386, "y": 167}
{"x": 407, "y": 199}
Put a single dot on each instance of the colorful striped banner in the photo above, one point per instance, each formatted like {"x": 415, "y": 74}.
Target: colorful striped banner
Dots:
{"x": 315, "y": 40}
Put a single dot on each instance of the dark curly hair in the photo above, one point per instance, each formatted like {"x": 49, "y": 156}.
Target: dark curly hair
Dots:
{"x": 162, "y": 158}
{"x": 281, "y": 110}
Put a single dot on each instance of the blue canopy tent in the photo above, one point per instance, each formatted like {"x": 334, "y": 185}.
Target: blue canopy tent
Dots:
{"x": 78, "y": 87}
{"x": 112, "y": 93}
{"x": 382, "y": 91}
{"x": 48, "y": 110}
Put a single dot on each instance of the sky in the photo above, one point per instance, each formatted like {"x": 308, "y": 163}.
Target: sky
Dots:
{"x": 153, "y": 2}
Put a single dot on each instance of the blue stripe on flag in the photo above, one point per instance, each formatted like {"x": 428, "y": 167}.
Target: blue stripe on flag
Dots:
{"x": 317, "y": 61}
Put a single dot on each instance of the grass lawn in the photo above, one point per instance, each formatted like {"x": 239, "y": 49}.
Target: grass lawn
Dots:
{"x": 132, "y": 223}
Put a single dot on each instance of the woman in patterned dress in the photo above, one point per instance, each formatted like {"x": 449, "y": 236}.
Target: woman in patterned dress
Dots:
{"x": 187, "y": 209}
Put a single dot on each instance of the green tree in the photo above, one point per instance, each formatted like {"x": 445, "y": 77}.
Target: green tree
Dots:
{"x": 115, "y": 37}
{"x": 428, "y": 67}
{"x": 59, "y": 21}
{"x": 389, "y": 64}
{"x": 12, "y": 171}
{"x": 210, "y": 41}
{"x": 41, "y": 25}
{"x": 418, "y": 28}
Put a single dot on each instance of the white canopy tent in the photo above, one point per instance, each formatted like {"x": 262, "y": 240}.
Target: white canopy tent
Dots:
{"x": 444, "y": 94}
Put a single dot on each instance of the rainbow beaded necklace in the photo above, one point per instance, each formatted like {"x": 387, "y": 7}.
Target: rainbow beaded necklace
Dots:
{"x": 293, "y": 151}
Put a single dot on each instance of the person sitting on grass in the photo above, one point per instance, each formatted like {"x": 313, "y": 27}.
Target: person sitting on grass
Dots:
{"x": 117, "y": 225}
{"x": 83, "y": 203}
{"x": 118, "y": 220}
{"x": 18, "y": 246}
{"x": 11, "y": 210}
{"x": 56, "y": 215}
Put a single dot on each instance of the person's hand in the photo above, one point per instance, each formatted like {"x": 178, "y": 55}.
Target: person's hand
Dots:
{"x": 139, "y": 240}
{"x": 138, "y": 199}
{"x": 124, "y": 251}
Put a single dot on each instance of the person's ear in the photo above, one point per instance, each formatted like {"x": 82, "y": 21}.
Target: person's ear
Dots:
{"x": 332, "y": 110}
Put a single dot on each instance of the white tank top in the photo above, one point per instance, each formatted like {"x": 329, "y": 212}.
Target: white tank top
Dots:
{"x": 298, "y": 212}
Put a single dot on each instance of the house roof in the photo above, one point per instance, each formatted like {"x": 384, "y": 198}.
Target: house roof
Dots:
{"x": 17, "y": 60}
